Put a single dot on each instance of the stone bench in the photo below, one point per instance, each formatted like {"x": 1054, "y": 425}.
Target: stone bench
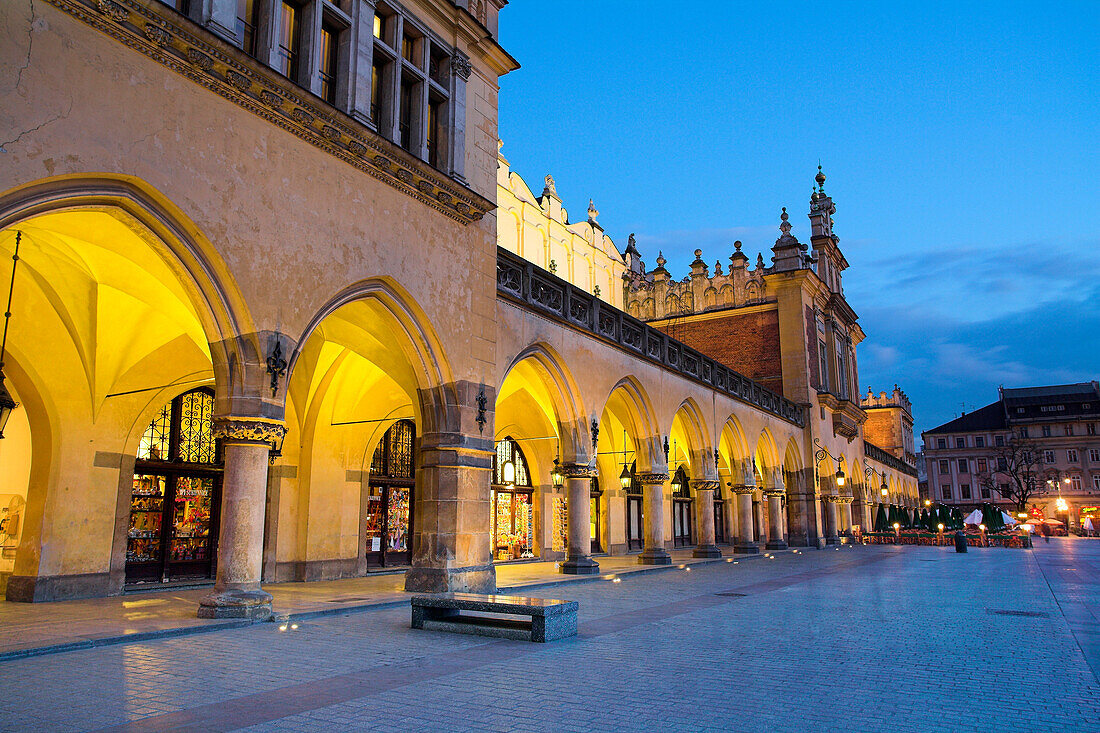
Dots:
{"x": 470, "y": 613}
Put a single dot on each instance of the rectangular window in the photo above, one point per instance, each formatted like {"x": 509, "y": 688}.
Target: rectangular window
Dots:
{"x": 1002, "y": 489}
{"x": 327, "y": 70}
{"x": 945, "y": 467}
{"x": 1048, "y": 456}
{"x": 408, "y": 48}
{"x": 1071, "y": 455}
{"x": 964, "y": 491}
{"x": 434, "y": 118}
{"x": 1068, "y": 429}
{"x": 404, "y": 127}
{"x": 290, "y": 41}
{"x": 246, "y": 24}
{"x": 963, "y": 467}
{"x": 1075, "y": 484}
{"x": 960, "y": 442}
{"x": 1096, "y": 483}
{"x": 1046, "y": 431}
{"x": 1002, "y": 464}
{"x": 378, "y": 71}
{"x": 999, "y": 441}
{"x": 1023, "y": 431}
{"x": 945, "y": 491}
{"x": 379, "y": 25}
{"x": 984, "y": 491}
{"x": 1094, "y": 455}
{"x": 941, "y": 443}
{"x": 982, "y": 468}
{"x": 822, "y": 354}
{"x": 1091, "y": 428}
{"x": 979, "y": 442}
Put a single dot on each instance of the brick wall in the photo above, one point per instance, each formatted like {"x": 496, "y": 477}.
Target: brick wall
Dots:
{"x": 746, "y": 342}
{"x": 883, "y": 428}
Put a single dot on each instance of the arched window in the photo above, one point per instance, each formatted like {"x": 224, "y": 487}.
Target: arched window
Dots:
{"x": 176, "y": 494}
{"x": 512, "y": 503}
{"x": 388, "y": 521}
{"x": 508, "y": 452}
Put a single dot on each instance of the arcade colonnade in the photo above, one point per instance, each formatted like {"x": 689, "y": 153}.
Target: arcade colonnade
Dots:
{"x": 163, "y": 438}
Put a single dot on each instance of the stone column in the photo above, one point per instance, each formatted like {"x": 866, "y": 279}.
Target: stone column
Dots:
{"x": 246, "y": 445}
{"x": 704, "y": 514}
{"x": 578, "y": 483}
{"x": 845, "y": 503}
{"x": 776, "y": 540}
{"x": 746, "y": 540}
{"x": 830, "y": 519}
{"x": 653, "y": 498}
{"x": 450, "y": 543}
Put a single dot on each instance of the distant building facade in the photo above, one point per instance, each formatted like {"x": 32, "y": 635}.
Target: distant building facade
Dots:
{"x": 1060, "y": 420}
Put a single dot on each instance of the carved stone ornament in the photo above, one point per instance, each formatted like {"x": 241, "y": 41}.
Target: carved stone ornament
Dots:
{"x": 704, "y": 485}
{"x": 249, "y": 429}
{"x": 156, "y": 34}
{"x": 773, "y": 491}
{"x": 577, "y": 470}
{"x": 651, "y": 479}
{"x": 330, "y": 132}
{"x": 357, "y": 148}
{"x": 461, "y": 66}
{"x": 743, "y": 489}
{"x": 270, "y": 98}
{"x": 199, "y": 59}
{"x": 113, "y": 10}
{"x": 238, "y": 80}
{"x": 302, "y": 116}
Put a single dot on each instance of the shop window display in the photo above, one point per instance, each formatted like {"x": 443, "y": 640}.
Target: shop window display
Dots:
{"x": 681, "y": 509}
{"x": 635, "y": 539}
{"x": 176, "y": 494}
{"x": 390, "y": 497}
{"x": 512, "y": 499}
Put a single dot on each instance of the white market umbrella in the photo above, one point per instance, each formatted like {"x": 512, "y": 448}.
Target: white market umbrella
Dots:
{"x": 974, "y": 517}
{"x": 1088, "y": 524}
{"x": 1009, "y": 519}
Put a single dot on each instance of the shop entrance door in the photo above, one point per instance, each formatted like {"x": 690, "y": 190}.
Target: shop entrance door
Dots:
{"x": 176, "y": 495}
{"x": 513, "y": 524}
{"x": 387, "y": 529}
{"x": 635, "y": 527}
{"x": 720, "y": 521}
{"x": 388, "y": 524}
{"x": 681, "y": 522}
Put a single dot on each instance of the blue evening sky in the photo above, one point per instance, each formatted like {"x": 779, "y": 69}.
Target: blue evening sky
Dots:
{"x": 961, "y": 142}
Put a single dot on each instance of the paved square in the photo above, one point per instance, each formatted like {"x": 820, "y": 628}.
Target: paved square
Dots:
{"x": 876, "y": 638}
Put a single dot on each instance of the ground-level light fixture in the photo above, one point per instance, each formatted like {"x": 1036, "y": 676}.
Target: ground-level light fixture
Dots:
{"x": 940, "y": 527}
{"x": 928, "y": 502}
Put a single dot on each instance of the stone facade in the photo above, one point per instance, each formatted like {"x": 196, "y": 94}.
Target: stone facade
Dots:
{"x": 1059, "y": 422}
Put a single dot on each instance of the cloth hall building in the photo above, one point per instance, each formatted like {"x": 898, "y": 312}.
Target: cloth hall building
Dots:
{"x": 232, "y": 358}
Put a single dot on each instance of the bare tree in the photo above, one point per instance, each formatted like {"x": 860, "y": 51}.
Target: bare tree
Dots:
{"x": 1015, "y": 471}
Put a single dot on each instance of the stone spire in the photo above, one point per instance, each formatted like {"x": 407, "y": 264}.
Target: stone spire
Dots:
{"x": 787, "y": 250}
{"x": 633, "y": 257}
{"x": 592, "y": 214}
{"x": 821, "y": 214}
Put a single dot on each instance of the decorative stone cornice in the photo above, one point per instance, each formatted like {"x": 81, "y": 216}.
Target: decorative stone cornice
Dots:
{"x": 703, "y": 485}
{"x": 577, "y": 470}
{"x": 835, "y": 499}
{"x": 249, "y": 429}
{"x": 743, "y": 489}
{"x": 161, "y": 34}
{"x": 651, "y": 479}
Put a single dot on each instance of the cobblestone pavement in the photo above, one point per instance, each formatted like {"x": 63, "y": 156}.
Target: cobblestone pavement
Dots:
{"x": 864, "y": 639}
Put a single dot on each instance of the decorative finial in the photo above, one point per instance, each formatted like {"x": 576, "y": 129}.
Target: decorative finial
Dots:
{"x": 737, "y": 245}
{"x": 550, "y": 186}
{"x": 718, "y": 267}
{"x": 661, "y": 259}
{"x": 630, "y": 240}
{"x": 785, "y": 226}
{"x": 592, "y": 212}
{"x": 759, "y": 260}
{"x": 820, "y": 178}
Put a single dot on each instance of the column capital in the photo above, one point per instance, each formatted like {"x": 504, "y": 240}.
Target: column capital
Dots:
{"x": 837, "y": 499}
{"x": 258, "y": 430}
{"x": 742, "y": 489}
{"x": 578, "y": 470}
{"x": 651, "y": 479}
{"x": 703, "y": 485}
{"x": 775, "y": 492}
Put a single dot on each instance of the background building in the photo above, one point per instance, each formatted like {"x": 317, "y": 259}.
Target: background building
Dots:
{"x": 969, "y": 458}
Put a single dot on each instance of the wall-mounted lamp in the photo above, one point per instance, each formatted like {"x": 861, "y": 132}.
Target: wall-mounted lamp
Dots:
{"x": 556, "y": 476}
